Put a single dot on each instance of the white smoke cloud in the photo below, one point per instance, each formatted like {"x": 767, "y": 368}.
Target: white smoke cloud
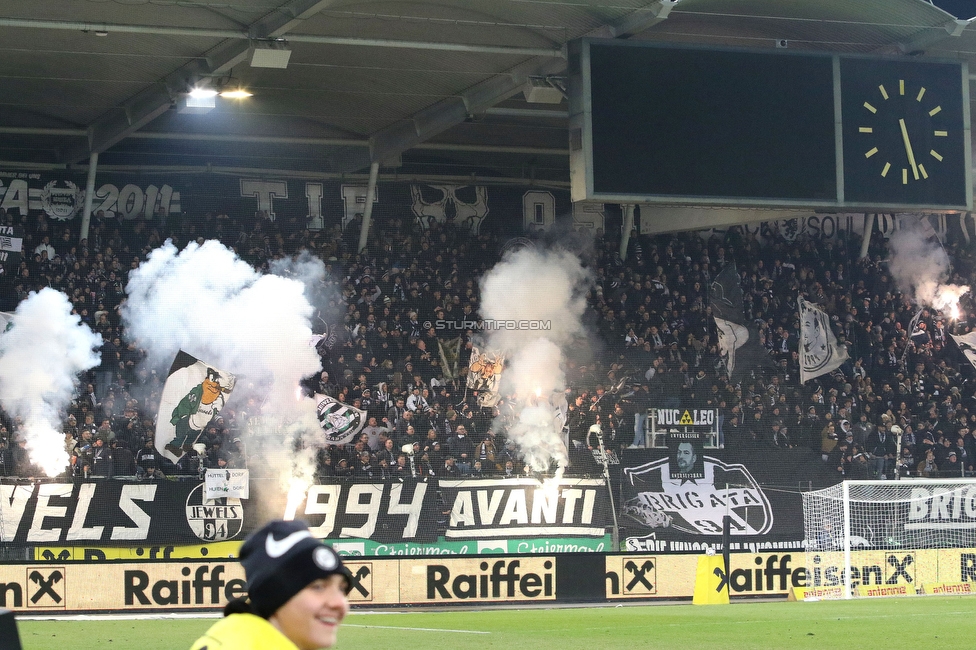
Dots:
{"x": 545, "y": 291}
{"x": 41, "y": 357}
{"x": 920, "y": 266}
{"x": 213, "y": 305}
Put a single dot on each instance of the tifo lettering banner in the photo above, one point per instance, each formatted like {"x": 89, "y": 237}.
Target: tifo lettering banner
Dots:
{"x": 325, "y": 203}
{"x": 208, "y": 585}
{"x": 320, "y": 204}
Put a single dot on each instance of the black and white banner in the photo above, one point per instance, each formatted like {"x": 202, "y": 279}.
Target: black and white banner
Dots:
{"x": 738, "y": 341}
{"x": 62, "y": 196}
{"x": 11, "y": 245}
{"x": 967, "y": 343}
{"x": 116, "y": 512}
{"x": 339, "y": 421}
{"x": 383, "y": 512}
{"x": 819, "y": 351}
{"x": 759, "y": 490}
{"x": 526, "y": 507}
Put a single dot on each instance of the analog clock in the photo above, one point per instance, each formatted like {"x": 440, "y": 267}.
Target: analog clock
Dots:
{"x": 904, "y": 133}
{"x": 889, "y": 117}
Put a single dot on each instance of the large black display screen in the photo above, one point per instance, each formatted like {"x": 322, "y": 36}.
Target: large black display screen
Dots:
{"x": 671, "y": 124}
{"x": 712, "y": 123}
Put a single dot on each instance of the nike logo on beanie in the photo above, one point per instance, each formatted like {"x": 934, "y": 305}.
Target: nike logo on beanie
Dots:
{"x": 278, "y": 547}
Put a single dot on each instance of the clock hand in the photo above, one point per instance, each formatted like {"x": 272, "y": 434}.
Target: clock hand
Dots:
{"x": 908, "y": 147}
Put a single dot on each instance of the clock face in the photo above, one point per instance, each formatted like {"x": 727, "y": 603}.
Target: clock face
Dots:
{"x": 904, "y": 135}
{"x": 894, "y": 118}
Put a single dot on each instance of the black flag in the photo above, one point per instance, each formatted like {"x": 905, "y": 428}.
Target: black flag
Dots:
{"x": 738, "y": 341}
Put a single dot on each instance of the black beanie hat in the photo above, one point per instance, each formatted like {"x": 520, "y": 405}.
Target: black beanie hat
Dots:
{"x": 281, "y": 559}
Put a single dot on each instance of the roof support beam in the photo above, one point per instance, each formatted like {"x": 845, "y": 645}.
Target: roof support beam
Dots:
{"x": 387, "y": 144}
{"x": 644, "y": 18}
{"x": 926, "y": 39}
{"x": 157, "y": 99}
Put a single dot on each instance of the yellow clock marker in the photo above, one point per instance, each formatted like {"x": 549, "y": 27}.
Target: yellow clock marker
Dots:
{"x": 941, "y": 134}
{"x": 921, "y": 170}
{"x": 901, "y": 86}
{"x": 904, "y": 176}
{"x": 935, "y": 110}
{"x": 865, "y": 129}
{"x": 921, "y": 91}
{"x": 935, "y": 154}
{"x": 870, "y": 108}
{"x": 870, "y": 153}
{"x": 884, "y": 172}
{"x": 884, "y": 93}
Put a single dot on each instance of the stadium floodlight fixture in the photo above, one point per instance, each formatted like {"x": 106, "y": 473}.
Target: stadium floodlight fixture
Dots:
{"x": 202, "y": 93}
{"x": 236, "y": 93}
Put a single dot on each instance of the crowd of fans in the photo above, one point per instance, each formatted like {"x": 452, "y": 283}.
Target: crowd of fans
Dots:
{"x": 652, "y": 343}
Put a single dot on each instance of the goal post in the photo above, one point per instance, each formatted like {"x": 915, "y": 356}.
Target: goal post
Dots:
{"x": 889, "y": 533}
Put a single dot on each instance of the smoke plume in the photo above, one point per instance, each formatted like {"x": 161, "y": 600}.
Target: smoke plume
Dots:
{"x": 213, "y": 305}
{"x": 41, "y": 357}
{"x": 920, "y": 266}
{"x": 540, "y": 295}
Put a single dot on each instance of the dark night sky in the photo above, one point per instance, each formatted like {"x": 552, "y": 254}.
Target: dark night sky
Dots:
{"x": 964, "y": 9}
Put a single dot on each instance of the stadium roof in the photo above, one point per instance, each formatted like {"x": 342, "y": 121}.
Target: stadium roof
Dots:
{"x": 422, "y": 87}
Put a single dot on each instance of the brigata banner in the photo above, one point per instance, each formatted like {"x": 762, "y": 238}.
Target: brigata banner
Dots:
{"x": 526, "y": 507}
{"x": 675, "y": 499}
{"x": 115, "y": 513}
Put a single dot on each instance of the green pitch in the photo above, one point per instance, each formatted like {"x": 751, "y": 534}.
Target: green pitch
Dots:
{"x": 884, "y": 624}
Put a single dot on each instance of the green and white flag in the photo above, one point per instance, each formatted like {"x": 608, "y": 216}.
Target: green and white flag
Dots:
{"x": 340, "y": 422}
{"x": 194, "y": 394}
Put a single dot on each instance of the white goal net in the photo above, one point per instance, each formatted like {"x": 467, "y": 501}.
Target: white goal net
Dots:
{"x": 889, "y": 536}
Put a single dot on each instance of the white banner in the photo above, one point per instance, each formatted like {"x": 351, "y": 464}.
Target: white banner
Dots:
{"x": 220, "y": 483}
{"x": 819, "y": 352}
{"x": 967, "y": 343}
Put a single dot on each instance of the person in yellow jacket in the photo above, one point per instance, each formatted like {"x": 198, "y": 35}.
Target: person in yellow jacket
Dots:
{"x": 297, "y": 594}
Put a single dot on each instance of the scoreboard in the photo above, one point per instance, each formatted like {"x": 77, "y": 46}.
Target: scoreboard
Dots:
{"x": 675, "y": 125}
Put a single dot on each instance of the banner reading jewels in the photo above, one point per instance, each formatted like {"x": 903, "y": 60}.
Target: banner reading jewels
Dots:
{"x": 116, "y": 513}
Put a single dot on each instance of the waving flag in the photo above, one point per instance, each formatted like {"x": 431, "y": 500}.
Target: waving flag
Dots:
{"x": 819, "y": 351}
{"x": 195, "y": 392}
{"x": 339, "y": 421}
{"x": 738, "y": 341}
{"x": 484, "y": 375}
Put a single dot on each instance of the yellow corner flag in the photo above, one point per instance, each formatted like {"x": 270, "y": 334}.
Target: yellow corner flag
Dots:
{"x": 711, "y": 583}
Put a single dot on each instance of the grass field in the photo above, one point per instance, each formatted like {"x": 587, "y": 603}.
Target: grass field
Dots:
{"x": 885, "y": 624}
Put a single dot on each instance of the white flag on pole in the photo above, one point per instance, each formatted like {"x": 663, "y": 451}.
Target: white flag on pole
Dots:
{"x": 819, "y": 351}
{"x": 967, "y": 343}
